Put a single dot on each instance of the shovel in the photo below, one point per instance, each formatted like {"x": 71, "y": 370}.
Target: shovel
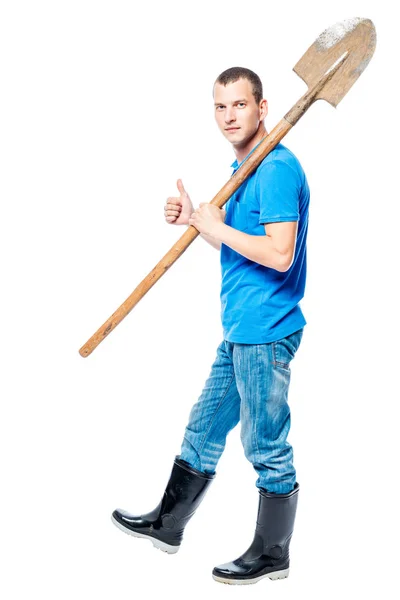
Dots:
{"x": 329, "y": 68}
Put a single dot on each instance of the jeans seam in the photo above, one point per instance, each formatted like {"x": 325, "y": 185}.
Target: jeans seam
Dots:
{"x": 256, "y": 416}
{"x": 213, "y": 417}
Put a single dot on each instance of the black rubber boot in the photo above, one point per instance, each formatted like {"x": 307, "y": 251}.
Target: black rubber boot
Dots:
{"x": 165, "y": 524}
{"x": 268, "y": 555}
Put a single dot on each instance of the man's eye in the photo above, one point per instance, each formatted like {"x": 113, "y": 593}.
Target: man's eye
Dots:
{"x": 241, "y": 104}
{"x": 220, "y": 107}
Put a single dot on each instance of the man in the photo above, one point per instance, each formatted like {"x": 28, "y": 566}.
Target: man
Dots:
{"x": 262, "y": 242}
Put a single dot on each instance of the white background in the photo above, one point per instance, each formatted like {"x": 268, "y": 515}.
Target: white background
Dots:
{"x": 103, "y": 106}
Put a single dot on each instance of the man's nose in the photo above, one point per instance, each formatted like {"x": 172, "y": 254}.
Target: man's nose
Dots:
{"x": 230, "y": 114}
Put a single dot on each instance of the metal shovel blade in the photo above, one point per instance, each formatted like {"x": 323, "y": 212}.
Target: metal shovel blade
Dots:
{"x": 355, "y": 38}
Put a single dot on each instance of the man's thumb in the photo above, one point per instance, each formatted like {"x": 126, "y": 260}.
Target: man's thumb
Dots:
{"x": 180, "y": 187}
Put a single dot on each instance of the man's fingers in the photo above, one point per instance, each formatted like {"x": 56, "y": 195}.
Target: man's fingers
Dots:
{"x": 172, "y": 210}
{"x": 172, "y": 213}
{"x": 171, "y": 206}
{"x": 180, "y": 187}
{"x": 175, "y": 201}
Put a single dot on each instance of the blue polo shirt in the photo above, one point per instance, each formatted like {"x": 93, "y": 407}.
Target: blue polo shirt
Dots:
{"x": 259, "y": 304}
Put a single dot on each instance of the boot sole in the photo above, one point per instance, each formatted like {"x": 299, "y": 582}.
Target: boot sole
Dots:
{"x": 274, "y": 575}
{"x": 156, "y": 543}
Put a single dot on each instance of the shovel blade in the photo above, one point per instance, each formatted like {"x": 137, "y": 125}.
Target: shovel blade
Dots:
{"x": 357, "y": 38}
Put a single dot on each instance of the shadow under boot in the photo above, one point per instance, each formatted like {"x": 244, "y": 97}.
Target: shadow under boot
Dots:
{"x": 268, "y": 555}
{"x": 165, "y": 524}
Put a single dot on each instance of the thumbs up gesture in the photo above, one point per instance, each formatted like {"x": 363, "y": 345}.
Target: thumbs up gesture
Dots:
{"x": 178, "y": 210}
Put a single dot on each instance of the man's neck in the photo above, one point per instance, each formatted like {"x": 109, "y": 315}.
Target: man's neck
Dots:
{"x": 243, "y": 151}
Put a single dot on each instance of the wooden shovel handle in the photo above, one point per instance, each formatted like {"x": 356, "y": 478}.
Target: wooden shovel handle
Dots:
{"x": 247, "y": 167}
{"x": 187, "y": 238}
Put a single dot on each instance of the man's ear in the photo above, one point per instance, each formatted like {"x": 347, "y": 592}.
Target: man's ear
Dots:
{"x": 263, "y": 109}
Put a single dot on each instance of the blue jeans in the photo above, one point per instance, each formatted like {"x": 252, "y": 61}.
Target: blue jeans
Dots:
{"x": 250, "y": 383}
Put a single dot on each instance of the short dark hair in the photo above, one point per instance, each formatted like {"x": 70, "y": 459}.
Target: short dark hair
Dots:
{"x": 235, "y": 73}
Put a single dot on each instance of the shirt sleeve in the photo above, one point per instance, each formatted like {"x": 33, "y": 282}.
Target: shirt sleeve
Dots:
{"x": 278, "y": 191}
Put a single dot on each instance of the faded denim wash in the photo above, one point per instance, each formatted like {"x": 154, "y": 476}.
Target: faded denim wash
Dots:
{"x": 250, "y": 383}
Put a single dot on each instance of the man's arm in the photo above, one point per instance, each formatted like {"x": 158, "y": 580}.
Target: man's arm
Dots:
{"x": 212, "y": 241}
{"x": 275, "y": 250}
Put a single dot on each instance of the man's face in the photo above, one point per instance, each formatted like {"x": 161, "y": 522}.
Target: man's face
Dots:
{"x": 237, "y": 114}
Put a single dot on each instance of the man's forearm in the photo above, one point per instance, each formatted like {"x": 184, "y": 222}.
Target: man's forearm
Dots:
{"x": 212, "y": 241}
{"x": 258, "y": 248}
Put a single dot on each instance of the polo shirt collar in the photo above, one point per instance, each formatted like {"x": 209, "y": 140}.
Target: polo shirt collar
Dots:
{"x": 235, "y": 165}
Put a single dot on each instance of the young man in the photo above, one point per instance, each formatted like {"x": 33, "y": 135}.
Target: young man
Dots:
{"x": 262, "y": 242}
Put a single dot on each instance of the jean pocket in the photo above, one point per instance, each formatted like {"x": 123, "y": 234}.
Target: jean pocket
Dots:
{"x": 284, "y": 350}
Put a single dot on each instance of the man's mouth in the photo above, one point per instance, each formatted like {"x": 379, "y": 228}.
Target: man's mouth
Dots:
{"x": 231, "y": 128}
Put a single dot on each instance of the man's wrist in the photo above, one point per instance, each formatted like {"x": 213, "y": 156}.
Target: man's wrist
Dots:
{"x": 219, "y": 230}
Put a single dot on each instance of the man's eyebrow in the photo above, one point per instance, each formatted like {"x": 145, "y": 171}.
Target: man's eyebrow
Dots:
{"x": 235, "y": 102}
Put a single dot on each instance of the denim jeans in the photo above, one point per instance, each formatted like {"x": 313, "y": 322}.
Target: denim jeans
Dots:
{"x": 250, "y": 383}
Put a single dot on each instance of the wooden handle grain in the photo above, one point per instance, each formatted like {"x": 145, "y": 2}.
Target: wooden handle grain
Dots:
{"x": 246, "y": 168}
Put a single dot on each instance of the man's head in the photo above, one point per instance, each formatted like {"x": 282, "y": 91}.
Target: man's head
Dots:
{"x": 239, "y": 105}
